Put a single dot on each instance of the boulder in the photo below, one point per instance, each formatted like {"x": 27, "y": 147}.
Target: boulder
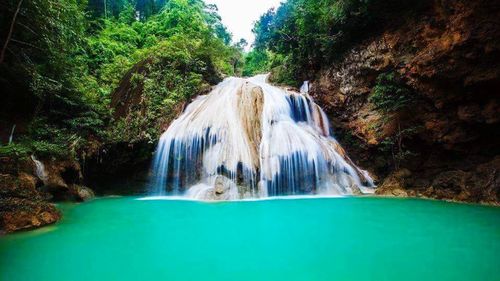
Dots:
{"x": 22, "y": 206}
{"x": 24, "y": 197}
{"x": 395, "y": 184}
{"x": 224, "y": 189}
{"x": 22, "y": 214}
{"x": 81, "y": 193}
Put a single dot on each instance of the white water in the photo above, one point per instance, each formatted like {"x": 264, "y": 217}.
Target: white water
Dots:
{"x": 305, "y": 87}
{"x": 11, "y": 136}
{"x": 40, "y": 170}
{"x": 249, "y": 139}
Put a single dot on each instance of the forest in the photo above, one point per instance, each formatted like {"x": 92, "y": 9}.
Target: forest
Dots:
{"x": 62, "y": 60}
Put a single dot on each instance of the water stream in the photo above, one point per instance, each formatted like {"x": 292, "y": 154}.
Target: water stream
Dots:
{"x": 250, "y": 139}
{"x": 40, "y": 169}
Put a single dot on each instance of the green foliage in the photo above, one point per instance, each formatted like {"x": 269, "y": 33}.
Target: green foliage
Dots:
{"x": 256, "y": 61}
{"x": 179, "y": 69}
{"x": 14, "y": 150}
{"x": 55, "y": 140}
{"x": 43, "y": 149}
{"x": 284, "y": 71}
{"x": 123, "y": 41}
{"x": 390, "y": 94}
{"x": 312, "y": 33}
{"x": 70, "y": 55}
{"x": 46, "y": 149}
{"x": 186, "y": 48}
{"x": 395, "y": 145}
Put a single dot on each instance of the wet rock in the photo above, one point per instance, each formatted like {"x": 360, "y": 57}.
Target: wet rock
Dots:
{"x": 220, "y": 188}
{"x": 481, "y": 184}
{"x": 78, "y": 193}
{"x": 250, "y": 106}
{"x": 22, "y": 214}
{"x": 395, "y": 184}
{"x": 454, "y": 181}
{"x": 64, "y": 182}
{"x": 83, "y": 193}
{"x": 223, "y": 189}
{"x": 24, "y": 197}
{"x": 22, "y": 206}
{"x": 61, "y": 174}
{"x": 22, "y": 186}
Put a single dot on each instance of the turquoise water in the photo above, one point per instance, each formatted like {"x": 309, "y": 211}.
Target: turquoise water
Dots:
{"x": 299, "y": 239}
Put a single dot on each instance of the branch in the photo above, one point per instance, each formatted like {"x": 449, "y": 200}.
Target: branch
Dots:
{"x": 26, "y": 44}
{"x": 28, "y": 28}
{"x": 9, "y": 35}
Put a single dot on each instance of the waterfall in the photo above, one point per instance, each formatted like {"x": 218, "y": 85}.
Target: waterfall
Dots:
{"x": 305, "y": 87}
{"x": 248, "y": 139}
{"x": 40, "y": 169}
{"x": 11, "y": 136}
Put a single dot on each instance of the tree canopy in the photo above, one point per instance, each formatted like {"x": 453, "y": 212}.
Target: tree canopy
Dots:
{"x": 64, "y": 58}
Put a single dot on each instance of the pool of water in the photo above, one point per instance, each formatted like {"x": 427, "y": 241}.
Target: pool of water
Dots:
{"x": 299, "y": 239}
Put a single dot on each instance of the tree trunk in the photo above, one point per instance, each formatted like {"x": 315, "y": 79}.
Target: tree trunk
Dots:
{"x": 9, "y": 35}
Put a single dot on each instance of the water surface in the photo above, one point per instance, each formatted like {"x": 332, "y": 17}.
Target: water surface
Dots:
{"x": 300, "y": 239}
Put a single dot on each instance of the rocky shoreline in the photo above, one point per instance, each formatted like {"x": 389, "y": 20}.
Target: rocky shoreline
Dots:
{"x": 26, "y": 200}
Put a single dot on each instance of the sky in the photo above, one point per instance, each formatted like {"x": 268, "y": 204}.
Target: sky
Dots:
{"x": 239, "y": 15}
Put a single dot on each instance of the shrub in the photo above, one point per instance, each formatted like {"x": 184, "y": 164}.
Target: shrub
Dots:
{"x": 390, "y": 93}
{"x": 390, "y": 96}
{"x": 14, "y": 150}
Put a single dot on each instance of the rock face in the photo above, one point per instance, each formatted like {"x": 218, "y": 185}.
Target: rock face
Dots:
{"x": 22, "y": 214}
{"x": 25, "y": 198}
{"x": 64, "y": 180}
{"x": 22, "y": 206}
{"x": 449, "y": 58}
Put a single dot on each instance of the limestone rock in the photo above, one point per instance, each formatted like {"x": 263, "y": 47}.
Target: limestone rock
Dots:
{"x": 22, "y": 206}
{"x": 223, "y": 189}
{"x": 81, "y": 193}
{"x": 24, "y": 197}
{"x": 21, "y": 214}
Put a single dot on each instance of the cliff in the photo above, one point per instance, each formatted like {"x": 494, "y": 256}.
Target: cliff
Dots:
{"x": 441, "y": 140}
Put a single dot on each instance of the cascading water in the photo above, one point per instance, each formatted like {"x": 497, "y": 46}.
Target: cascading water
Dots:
{"x": 305, "y": 87}
{"x": 40, "y": 169}
{"x": 248, "y": 139}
